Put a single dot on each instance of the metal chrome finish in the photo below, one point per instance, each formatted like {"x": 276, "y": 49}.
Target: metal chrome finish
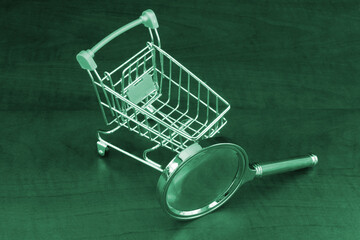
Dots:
{"x": 202, "y": 177}
{"x": 314, "y": 158}
{"x": 285, "y": 165}
{"x": 103, "y": 142}
{"x": 173, "y": 123}
{"x": 155, "y": 96}
{"x": 258, "y": 169}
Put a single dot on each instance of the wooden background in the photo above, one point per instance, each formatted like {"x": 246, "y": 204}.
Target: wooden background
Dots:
{"x": 290, "y": 70}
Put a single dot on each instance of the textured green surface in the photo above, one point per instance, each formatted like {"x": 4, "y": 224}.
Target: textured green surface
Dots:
{"x": 289, "y": 70}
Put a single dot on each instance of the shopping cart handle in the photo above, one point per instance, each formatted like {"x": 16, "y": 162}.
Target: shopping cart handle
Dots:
{"x": 86, "y": 57}
{"x": 148, "y": 18}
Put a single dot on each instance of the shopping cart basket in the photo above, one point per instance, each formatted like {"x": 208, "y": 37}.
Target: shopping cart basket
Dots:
{"x": 156, "y": 97}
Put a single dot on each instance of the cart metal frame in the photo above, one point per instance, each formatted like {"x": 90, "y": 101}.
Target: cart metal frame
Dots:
{"x": 155, "y": 96}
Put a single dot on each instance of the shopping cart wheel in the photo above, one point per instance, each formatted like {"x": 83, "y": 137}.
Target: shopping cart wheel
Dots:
{"x": 102, "y": 148}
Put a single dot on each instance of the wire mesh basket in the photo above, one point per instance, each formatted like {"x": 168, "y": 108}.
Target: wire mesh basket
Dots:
{"x": 155, "y": 96}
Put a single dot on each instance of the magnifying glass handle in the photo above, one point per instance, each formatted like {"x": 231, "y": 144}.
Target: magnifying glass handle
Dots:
{"x": 285, "y": 166}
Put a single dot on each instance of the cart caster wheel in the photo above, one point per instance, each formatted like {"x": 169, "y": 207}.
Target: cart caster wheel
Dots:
{"x": 102, "y": 148}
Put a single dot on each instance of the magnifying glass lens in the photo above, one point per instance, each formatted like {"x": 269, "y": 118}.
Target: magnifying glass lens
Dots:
{"x": 203, "y": 179}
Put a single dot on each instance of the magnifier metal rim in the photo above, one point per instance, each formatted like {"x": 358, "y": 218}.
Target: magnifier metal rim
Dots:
{"x": 185, "y": 157}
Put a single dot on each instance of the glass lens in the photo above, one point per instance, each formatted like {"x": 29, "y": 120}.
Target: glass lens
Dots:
{"x": 204, "y": 178}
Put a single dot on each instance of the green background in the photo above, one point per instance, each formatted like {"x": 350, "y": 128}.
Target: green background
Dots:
{"x": 290, "y": 70}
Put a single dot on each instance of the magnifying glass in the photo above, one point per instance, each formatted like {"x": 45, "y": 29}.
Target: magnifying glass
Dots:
{"x": 206, "y": 174}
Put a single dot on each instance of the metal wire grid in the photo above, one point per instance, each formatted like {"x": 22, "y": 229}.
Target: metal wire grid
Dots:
{"x": 181, "y": 110}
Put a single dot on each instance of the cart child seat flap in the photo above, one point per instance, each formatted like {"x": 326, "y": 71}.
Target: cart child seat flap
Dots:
{"x": 136, "y": 93}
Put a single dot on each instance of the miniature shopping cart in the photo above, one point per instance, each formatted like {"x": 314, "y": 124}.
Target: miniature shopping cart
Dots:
{"x": 156, "y": 97}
